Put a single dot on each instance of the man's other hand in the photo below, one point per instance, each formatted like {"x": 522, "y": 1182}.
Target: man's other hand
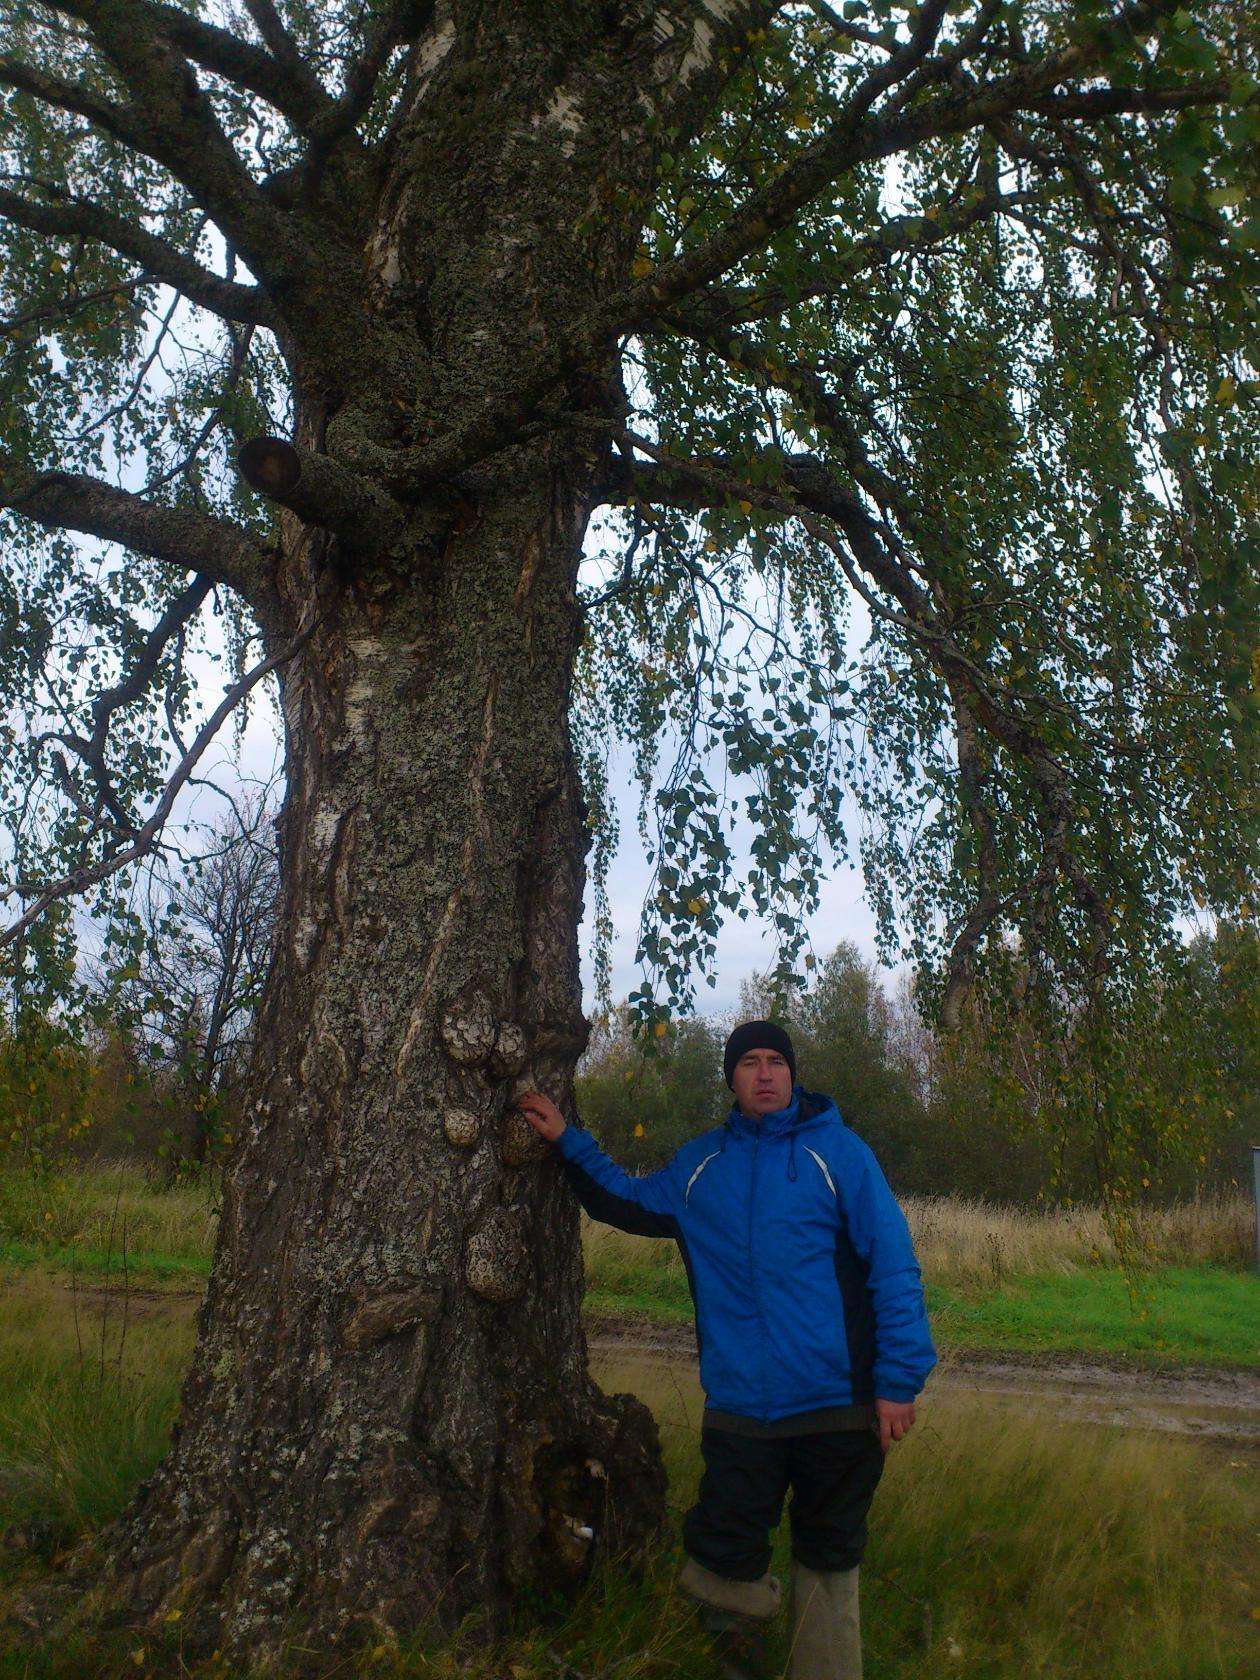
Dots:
{"x": 542, "y": 1114}
{"x": 895, "y": 1418}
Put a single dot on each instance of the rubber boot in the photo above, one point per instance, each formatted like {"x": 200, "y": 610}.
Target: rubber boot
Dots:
{"x": 826, "y": 1632}
{"x": 739, "y": 1643}
{"x": 758, "y": 1598}
{"x": 734, "y": 1614}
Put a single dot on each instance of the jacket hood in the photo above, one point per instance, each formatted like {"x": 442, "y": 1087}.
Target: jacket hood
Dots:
{"x": 805, "y": 1108}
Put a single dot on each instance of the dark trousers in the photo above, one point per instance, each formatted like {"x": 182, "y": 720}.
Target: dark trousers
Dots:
{"x": 833, "y": 1476}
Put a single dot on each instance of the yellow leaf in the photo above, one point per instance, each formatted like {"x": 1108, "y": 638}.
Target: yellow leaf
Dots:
{"x": 659, "y": 1029}
{"x": 696, "y": 906}
{"x": 744, "y": 507}
{"x": 173, "y": 1615}
{"x": 638, "y": 1130}
{"x": 641, "y": 266}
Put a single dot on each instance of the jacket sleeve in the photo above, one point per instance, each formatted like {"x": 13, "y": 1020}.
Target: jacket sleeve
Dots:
{"x": 643, "y": 1206}
{"x": 904, "y": 1351}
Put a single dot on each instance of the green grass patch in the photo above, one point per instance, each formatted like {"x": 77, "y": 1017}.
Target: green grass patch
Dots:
{"x": 87, "y": 1396}
{"x": 648, "y": 1304}
{"x": 98, "y": 1263}
{"x": 1186, "y": 1314}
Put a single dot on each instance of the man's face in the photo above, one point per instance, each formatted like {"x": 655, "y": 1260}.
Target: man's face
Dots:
{"x": 762, "y": 1082}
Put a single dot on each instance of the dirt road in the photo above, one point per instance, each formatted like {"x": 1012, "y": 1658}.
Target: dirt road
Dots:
{"x": 1214, "y": 1404}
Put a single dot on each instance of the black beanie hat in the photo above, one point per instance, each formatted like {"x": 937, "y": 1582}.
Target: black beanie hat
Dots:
{"x": 758, "y": 1035}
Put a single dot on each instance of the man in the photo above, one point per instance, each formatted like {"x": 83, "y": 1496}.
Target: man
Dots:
{"x": 812, "y": 1334}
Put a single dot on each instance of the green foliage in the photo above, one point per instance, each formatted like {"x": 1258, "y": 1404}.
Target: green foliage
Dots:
{"x": 642, "y": 1107}
{"x": 44, "y": 1078}
{"x": 1015, "y": 1107}
{"x": 1151, "y": 1102}
{"x": 1052, "y": 418}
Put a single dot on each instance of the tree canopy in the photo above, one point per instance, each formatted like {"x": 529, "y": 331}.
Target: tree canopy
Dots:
{"x": 941, "y": 314}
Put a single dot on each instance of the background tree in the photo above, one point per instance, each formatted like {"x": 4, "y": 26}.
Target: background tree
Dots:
{"x": 942, "y": 308}
{"x": 641, "y": 1107}
{"x": 194, "y": 989}
{"x": 845, "y": 1028}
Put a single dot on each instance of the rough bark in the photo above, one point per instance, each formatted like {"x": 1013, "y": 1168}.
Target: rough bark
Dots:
{"x": 389, "y": 1421}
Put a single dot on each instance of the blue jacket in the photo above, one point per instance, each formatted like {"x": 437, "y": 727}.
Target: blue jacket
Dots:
{"x": 806, "y": 1288}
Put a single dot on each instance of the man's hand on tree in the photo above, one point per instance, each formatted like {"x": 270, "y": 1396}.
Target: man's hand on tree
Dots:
{"x": 895, "y": 1418}
{"x": 542, "y": 1114}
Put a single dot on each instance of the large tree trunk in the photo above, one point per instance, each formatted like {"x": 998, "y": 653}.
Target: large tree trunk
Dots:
{"x": 389, "y": 1420}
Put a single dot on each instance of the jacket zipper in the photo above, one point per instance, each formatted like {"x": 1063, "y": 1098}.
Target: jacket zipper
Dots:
{"x": 752, "y": 1272}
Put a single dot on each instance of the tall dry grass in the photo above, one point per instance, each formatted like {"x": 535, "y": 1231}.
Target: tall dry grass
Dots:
{"x": 957, "y": 1239}
{"x": 94, "y": 1206}
{"x": 960, "y": 1242}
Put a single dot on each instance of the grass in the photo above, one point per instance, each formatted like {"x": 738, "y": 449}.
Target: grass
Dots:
{"x": 100, "y": 1209}
{"x": 1003, "y": 1543}
{"x": 1187, "y": 1315}
{"x": 86, "y": 1401}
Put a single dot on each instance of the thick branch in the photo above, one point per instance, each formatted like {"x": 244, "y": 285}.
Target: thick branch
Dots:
{"x": 403, "y": 20}
{"x": 853, "y": 138}
{"x": 321, "y": 492}
{"x": 194, "y": 541}
{"x": 846, "y": 30}
{"x": 288, "y": 85}
{"x": 80, "y": 218}
{"x": 716, "y": 310}
{"x": 172, "y": 120}
{"x": 66, "y": 96}
{"x": 714, "y": 481}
